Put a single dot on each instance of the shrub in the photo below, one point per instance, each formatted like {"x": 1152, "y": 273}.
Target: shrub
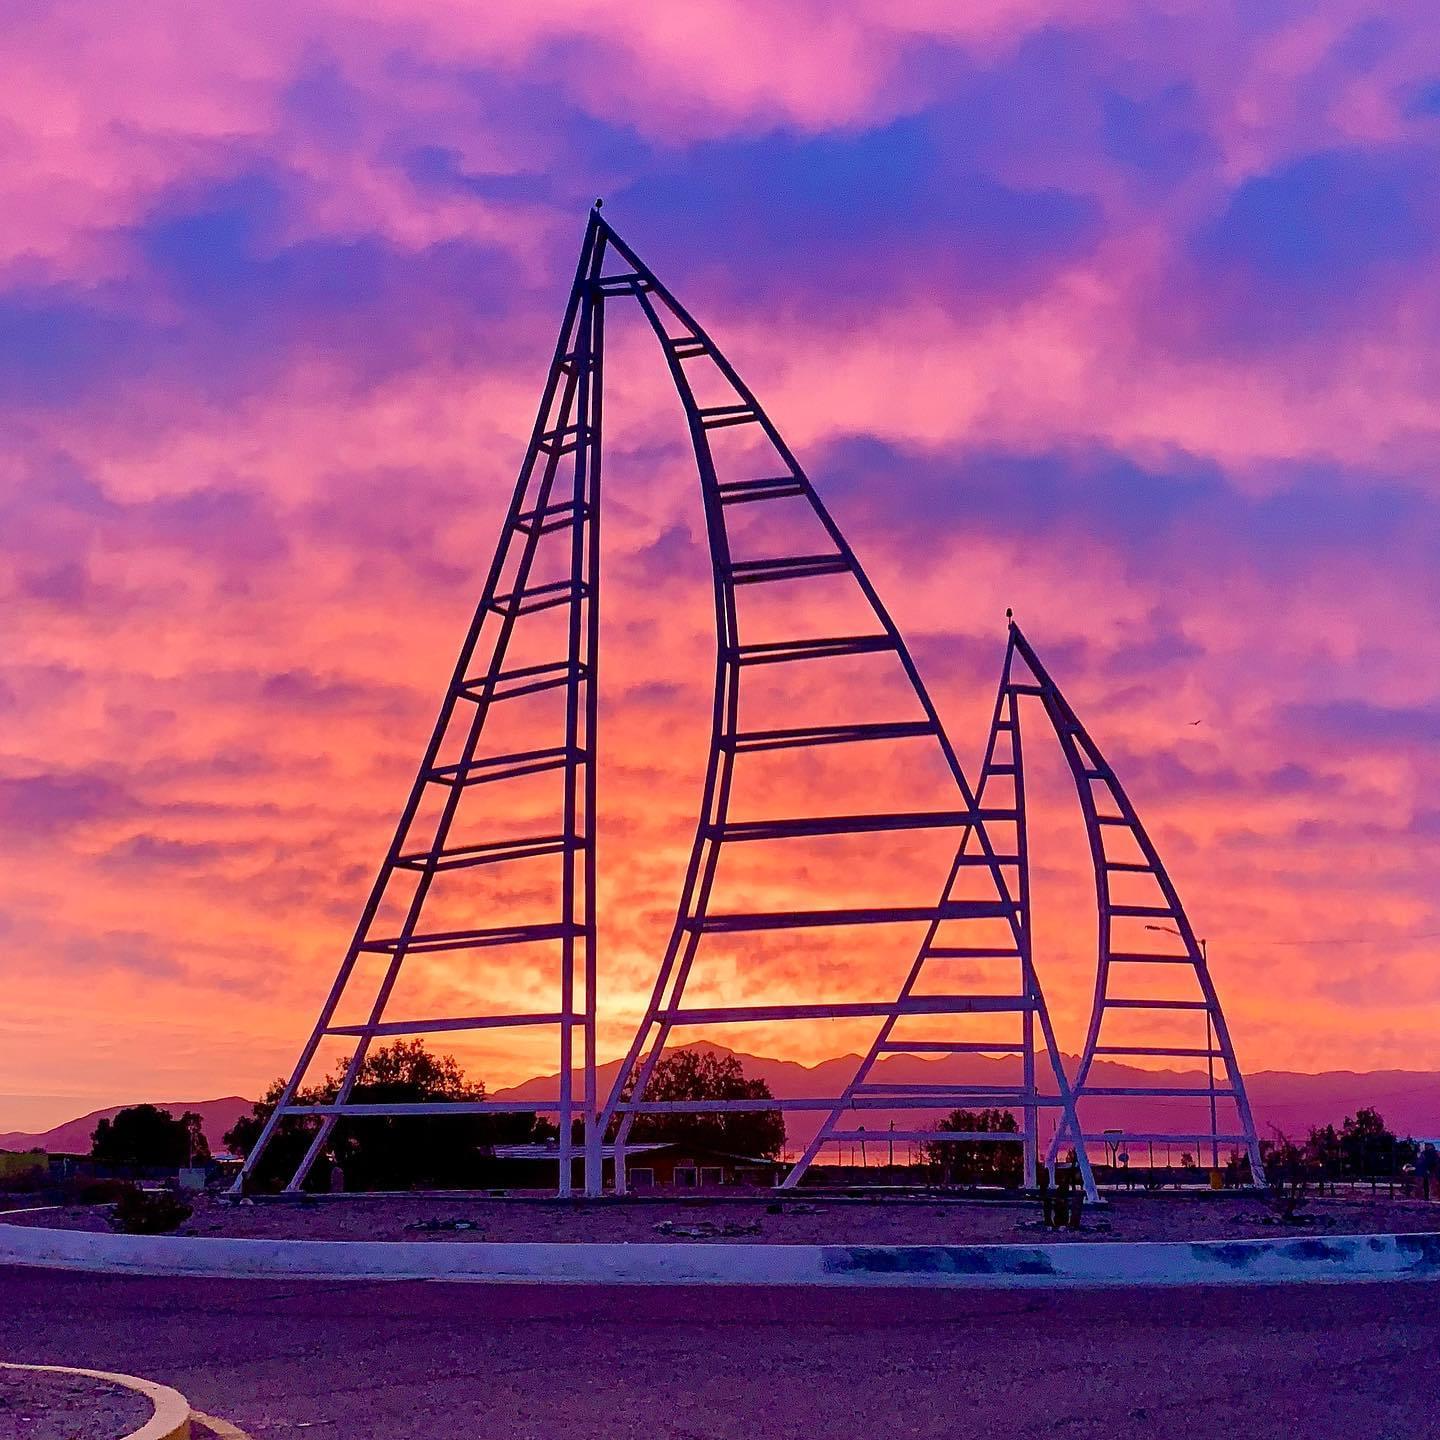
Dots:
{"x": 141, "y": 1212}
{"x": 94, "y": 1192}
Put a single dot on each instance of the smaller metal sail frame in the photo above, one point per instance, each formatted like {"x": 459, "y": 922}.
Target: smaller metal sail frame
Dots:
{"x": 1155, "y": 999}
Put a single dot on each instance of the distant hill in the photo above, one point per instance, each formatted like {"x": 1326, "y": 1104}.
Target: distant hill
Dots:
{"x": 1284, "y": 1100}
{"x": 73, "y": 1137}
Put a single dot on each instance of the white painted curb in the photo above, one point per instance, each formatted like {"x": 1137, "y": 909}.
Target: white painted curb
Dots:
{"x": 1087, "y": 1263}
{"x": 171, "y": 1420}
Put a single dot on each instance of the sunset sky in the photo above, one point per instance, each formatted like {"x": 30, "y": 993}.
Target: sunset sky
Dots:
{"x": 1123, "y": 315}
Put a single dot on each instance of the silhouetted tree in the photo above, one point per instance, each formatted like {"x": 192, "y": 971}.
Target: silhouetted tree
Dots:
{"x": 1363, "y": 1146}
{"x": 1282, "y": 1156}
{"x": 1323, "y": 1152}
{"x": 143, "y": 1136}
{"x": 692, "y": 1074}
{"x": 977, "y": 1162}
{"x": 387, "y": 1152}
{"x": 1370, "y": 1147}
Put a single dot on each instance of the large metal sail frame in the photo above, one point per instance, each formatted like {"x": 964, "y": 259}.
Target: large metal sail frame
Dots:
{"x": 557, "y": 501}
{"x": 1120, "y": 846}
{"x": 688, "y": 347}
{"x": 558, "y": 495}
{"x": 1002, "y": 767}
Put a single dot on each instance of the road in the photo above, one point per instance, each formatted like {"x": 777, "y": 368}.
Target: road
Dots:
{"x": 440, "y": 1361}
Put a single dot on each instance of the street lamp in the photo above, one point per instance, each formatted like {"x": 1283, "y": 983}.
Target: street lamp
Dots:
{"x": 1209, "y": 1048}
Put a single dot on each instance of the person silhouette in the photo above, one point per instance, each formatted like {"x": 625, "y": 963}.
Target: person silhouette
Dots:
{"x": 1427, "y": 1168}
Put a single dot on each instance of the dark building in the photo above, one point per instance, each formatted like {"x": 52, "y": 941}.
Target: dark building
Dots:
{"x": 649, "y": 1166}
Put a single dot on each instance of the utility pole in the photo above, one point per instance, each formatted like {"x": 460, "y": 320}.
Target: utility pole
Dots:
{"x": 1210, "y": 1070}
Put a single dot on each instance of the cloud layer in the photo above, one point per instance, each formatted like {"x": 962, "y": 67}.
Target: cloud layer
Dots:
{"x": 1124, "y": 318}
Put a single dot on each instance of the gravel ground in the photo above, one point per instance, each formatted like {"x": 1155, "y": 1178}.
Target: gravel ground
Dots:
{"x": 39, "y": 1406}
{"x": 798, "y": 1221}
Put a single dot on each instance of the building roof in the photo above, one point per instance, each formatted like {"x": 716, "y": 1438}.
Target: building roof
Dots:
{"x": 550, "y": 1150}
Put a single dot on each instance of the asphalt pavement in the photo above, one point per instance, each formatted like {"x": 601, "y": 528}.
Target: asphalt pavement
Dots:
{"x": 349, "y": 1359}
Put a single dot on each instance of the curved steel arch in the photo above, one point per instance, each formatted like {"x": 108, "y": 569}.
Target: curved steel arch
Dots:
{"x": 686, "y": 345}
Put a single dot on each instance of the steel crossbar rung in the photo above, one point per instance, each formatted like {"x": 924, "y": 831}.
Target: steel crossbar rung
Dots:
{"x": 848, "y": 1010}
{"x": 808, "y": 1102}
{"x": 687, "y": 347}
{"x": 1111, "y": 820}
{"x": 540, "y": 597}
{"x": 1019, "y": 689}
{"x": 1156, "y": 1092}
{"x": 505, "y": 767}
{"x": 1131, "y": 1137}
{"x": 997, "y": 815}
{"x": 1131, "y": 957}
{"x": 986, "y": 860}
{"x": 750, "y": 740}
{"x": 1131, "y": 1004}
{"x": 494, "y": 852}
{"x": 358, "y": 1109}
{"x": 565, "y": 439}
{"x": 774, "y": 652}
{"x": 1000, "y": 770}
{"x": 1132, "y": 867}
{"x": 526, "y": 680}
{"x": 927, "y": 1137}
{"x": 1162, "y": 912}
{"x": 435, "y": 1027}
{"x": 881, "y": 915}
{"x": 473, "y": 939}
{"x": 552, "y": 517}
{"x": 970, "y": 952}
{"x": 716, "y": 417}
{"x": 946, "y": 1091}
{"x": 930, "y": 1097}
{"x": 950, "y": 1047}
{"x": 793, "y": 829}
{"x": 1165, "y": 1051}
{"x": 787, "y": 567}
{"x": 631, "y": 284}
{"x": 740, "y": 492}
{"x": 1095, "y": 774}
{"x": 720, "y": 1107}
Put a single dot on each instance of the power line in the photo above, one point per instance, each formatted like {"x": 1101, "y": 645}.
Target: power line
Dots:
{"x": 1358, "y": 940}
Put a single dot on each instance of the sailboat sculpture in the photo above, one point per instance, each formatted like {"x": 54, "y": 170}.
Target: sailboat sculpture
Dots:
{"x": 1143, "y": 931}
{"x": 819, "y": 722}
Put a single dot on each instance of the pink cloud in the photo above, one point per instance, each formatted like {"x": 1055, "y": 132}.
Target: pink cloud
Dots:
{"x": 234, "y": 600}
